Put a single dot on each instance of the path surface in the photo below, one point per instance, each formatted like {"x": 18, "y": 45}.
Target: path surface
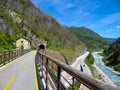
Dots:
{"x": 19, "y": 74}
{"x": 85, "y": 69}
{"x": 79, "y": 61}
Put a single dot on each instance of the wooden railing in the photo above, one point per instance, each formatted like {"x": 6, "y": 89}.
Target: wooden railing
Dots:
{"x": 9, "y": 55}
{"x": 53, "y": 73}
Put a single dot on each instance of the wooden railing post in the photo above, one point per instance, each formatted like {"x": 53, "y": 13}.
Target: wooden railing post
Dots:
{"x": 58, "y": 77}
{"x": 19, "y": 53}
{"x": 46, "y": 73}
{"x": 72, "y": 82}
{"x": 42, "y": 65}
{"x": 9, "y": 54}
{"x": 15, "y": 53}
{"x": 4, "y": 53}
{"x": 12, "y": 55}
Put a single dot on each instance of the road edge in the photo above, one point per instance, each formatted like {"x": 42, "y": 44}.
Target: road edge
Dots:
{"x": 35, "y": 74}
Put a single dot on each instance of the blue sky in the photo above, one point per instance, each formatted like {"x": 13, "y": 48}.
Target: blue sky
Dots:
{"x": 102, "y": 16}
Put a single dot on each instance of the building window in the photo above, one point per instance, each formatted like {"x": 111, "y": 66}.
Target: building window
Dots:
{"x": 21, "y": 41}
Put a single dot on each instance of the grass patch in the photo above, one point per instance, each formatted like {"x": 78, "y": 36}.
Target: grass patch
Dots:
{"x": 67, "y": 52}
{"x": 76, "y": 86}
{"x": 90, "y": 61}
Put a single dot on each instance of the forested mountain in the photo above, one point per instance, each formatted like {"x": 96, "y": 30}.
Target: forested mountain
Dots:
{"x": 113, "y": 55}
{"x": 20, "y": 18}
{"x": 92, "y": 40}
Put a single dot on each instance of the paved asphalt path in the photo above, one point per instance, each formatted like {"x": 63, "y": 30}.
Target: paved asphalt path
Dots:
{"x": 19, "y": 74}
{"x": 85, "y": 69}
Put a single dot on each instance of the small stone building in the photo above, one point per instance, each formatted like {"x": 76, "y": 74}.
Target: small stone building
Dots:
{"x": 23, "y": 44}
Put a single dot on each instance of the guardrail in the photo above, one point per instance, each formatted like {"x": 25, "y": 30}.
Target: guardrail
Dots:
{"x": 9, "y": 55}
{"x": 56, "y": 75}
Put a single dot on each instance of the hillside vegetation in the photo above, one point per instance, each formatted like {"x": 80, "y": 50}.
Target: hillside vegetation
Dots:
{"x": 6, "y": 42}
{"x": 20, "y": 18}
{"x": 112, "y": 55}
{"x": 92, "y": 40}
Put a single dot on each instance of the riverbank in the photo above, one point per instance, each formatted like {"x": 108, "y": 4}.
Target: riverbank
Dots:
{"x": 105, "y": 78}
{"x": 111, "y": 69}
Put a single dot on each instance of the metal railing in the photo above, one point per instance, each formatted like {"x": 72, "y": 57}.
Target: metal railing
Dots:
{"x": 58, "y": 76}
{"x": 9, "y": 55}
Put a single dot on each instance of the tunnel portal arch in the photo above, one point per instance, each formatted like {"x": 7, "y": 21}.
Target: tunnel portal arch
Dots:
{"x": 42, "y": 45}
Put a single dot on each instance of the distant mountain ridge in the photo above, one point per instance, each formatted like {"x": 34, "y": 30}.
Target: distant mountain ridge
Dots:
{"x": 92, "y": 40}
{"x": 111, "y": 39}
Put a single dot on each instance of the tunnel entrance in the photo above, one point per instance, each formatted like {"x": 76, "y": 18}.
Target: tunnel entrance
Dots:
{"x": 42, "y": 47}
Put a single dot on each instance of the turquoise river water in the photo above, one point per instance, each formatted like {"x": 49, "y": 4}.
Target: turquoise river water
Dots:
{"x": 115, "y": 78}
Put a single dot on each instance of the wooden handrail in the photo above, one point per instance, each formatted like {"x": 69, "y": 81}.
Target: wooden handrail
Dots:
{"x": 8, "y": 55}
{"x": 85, "y": 79}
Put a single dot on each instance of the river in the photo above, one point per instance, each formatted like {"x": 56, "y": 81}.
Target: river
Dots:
{"x": 114, "y": 78}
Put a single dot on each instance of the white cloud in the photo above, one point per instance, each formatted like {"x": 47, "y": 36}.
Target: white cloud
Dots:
{"x": 69, "y": 5}
{"x": 62, "y": 4}
{"x": 92, "y": 25}
{"x": 112, "y": 18}
{"x": 118, "y": 26}
{"x": 109, "y": 30}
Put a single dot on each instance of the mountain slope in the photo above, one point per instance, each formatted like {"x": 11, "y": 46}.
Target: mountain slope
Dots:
{"x": 92, "y": 40}
{"x": 20, "y": 18}
{"x": 113, "y": 55}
